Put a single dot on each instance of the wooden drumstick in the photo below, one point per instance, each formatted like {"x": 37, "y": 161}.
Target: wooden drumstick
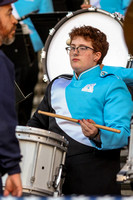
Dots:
{"x": 76, "y": 121}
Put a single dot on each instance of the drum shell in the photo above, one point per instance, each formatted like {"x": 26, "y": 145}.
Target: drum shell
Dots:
{"x": 43, "y": 152}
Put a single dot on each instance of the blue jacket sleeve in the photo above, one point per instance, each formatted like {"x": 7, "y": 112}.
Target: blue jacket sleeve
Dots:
{"x": 126, "y": 74}
{"x": 117, "y": 114}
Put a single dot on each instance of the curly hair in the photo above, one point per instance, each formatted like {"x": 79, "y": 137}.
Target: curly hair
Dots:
{"x": 98, "y": 38}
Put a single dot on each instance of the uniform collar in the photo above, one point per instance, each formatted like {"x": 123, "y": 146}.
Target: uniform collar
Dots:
{"x": 89, "y": 73}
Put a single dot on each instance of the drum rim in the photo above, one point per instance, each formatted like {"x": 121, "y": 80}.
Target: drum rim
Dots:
{"x": 41, "y": 132}
{"x": 65, "y": 19}
{"x": 37, "y": 191}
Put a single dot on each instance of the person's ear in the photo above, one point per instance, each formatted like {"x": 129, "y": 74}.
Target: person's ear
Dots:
{"x": 97, "y": 56}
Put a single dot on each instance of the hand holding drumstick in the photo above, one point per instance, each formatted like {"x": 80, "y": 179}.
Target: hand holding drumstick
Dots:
{"x": 89, "y": 130}
{"x": 79, "y": 121}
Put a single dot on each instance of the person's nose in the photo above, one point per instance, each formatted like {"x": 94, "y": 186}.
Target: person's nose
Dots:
{"x": 14, "y": 20}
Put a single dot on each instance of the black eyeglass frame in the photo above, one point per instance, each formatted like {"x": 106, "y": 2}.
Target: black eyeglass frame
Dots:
{"x": 69, "y": 48}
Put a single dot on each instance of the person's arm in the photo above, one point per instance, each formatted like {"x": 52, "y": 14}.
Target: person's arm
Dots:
{"x": 9, "y": 145}
{"x": 13, "y": 185}
{"x": 117, "y": 114}
{"x": 126, "y": 74}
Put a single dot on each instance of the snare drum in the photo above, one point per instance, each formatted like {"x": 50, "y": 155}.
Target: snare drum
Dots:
{"x": 43, "y": 158}
{"x": 56, "y": 60}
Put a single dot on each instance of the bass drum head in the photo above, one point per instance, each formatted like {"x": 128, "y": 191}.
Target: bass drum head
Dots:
{"x": 56, "y": 59}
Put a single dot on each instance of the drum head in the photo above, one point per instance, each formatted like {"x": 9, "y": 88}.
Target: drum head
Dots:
{"x": 56, "y": 59}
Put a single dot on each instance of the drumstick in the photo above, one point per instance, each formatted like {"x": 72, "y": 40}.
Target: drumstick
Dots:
{"x": 76, "y": 121}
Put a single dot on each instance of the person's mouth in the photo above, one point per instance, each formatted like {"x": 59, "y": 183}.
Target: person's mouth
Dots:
{"x": 13, "y": 30}
{"x": 75, "y": 60}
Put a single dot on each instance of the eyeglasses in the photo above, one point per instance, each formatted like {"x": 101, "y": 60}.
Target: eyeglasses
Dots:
{"x": 80, "y": 49}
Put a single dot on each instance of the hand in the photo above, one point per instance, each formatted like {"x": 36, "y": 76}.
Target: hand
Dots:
{"x": 88, "y": 129}
{"x": 13, "y": 185}
{"x": 85, "y": 6}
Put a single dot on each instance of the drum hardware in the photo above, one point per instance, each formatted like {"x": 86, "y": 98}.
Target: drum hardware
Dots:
{"x": 50, "y": 182}
{"x": 51, "y": 31}
{"x": 70, "y": 14}
{"x": 130, "y": 61}
{"x": 57, "y": 179}
{"x": 92, "y": 8}
{"x": 126, "y": 173}
{"x": 130, "y": 156}
{"x": 45, "y": 78}
{"x": 112, "y": 15}
{"x": 32, "y": 179}
{"x": 119, "y": 16}
{"x": 122, "y": 176}
{"x": 42, "y": 54}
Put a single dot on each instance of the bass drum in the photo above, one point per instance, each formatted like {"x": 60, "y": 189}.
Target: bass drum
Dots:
{"x": 56, "y": 59}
